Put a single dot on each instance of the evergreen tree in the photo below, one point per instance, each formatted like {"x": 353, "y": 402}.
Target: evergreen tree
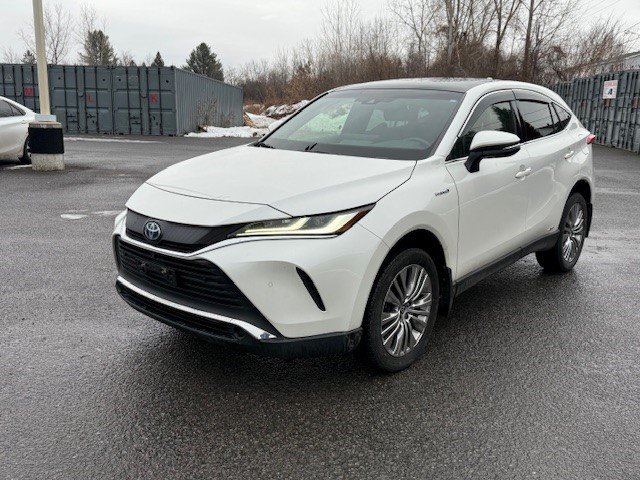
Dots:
{"x": 29, "y": 58}
{"x": 97, "y": 49}
{"x": 158, "y": 61}
{"x": 203, "y": 61}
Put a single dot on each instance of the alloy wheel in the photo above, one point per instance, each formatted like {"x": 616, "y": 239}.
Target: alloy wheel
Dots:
{"x": 573, "y": 233}
{"x": 406, "y": 310}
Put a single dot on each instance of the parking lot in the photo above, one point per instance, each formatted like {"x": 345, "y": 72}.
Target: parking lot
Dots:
{"x": 533, "y": 376}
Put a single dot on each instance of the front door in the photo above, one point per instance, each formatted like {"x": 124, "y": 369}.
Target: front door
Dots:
{"x": 492, "y": 201}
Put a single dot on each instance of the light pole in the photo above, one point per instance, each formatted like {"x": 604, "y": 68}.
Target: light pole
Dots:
{"x": 45, "y": 133}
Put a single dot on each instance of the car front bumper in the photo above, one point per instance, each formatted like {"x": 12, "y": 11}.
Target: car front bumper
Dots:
{"x": 267, "y": 272}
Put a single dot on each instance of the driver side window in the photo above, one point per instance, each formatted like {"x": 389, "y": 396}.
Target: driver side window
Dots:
{"x": 498, "y": 116}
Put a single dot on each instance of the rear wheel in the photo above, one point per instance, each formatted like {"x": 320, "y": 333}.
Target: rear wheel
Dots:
{"x": 401, "y": 311}
{"x": 25, "y": 159}
{"x": 573, "y": 227}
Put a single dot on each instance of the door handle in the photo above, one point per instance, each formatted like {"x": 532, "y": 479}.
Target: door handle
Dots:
{"x": 568, "y": 155}
{"x": 523, "y": 173}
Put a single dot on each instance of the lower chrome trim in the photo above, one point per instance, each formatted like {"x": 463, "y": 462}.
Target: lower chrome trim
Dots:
{"x": 254, "y": 331}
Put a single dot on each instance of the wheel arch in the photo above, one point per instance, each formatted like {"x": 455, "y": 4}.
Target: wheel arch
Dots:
{"x": 428, "y": 241}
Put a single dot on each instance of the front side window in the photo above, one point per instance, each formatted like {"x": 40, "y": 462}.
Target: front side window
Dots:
{"x": 498, "y": 116}
{"x": 537, "y": 121}
{"x": 400, "y": 124}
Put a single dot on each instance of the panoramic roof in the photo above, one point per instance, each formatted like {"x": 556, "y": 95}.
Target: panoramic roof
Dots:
{"x": 448, "y": 84}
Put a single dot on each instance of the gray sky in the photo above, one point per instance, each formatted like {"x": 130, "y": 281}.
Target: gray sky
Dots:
{"x": 237, "y": 30}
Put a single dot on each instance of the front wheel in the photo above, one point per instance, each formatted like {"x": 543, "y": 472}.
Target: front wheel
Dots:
{"x": 25, "y": 159}
{"x": 401, "y": 311}
{"x": 573, "y": 227}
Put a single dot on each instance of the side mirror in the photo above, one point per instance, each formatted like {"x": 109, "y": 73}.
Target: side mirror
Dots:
{"x": 273, "y": 125}
{"x": 491, "y": 144}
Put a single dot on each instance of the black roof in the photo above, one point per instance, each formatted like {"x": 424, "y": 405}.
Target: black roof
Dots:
{"x": 447, "y": 84}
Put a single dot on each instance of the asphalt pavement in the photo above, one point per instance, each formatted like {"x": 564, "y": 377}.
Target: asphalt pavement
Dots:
{"x": 533, "y": 375}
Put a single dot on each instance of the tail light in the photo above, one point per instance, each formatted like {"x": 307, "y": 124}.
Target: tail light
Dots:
{"x": 591, "y": 138}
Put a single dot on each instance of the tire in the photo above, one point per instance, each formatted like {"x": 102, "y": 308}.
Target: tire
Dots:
{"x": 25, "y": 159}
{"x": 573, "y": 227}
{"x": 408, "y": 264}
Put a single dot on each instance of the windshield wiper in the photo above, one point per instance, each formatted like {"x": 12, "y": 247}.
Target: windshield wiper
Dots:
{"x": 310, "y": 147}
{"x": 263, "y": 145}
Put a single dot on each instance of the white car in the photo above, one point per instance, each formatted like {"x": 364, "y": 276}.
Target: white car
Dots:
{"x": 358, "y": 220}
{"x": 14, "y": 127}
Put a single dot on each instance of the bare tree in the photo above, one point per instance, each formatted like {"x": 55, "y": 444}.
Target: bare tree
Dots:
{"x": 506, "y": 12}
{"x": 419, "y": 18}
{"x": 519, "y": 39}
{"x": 579, "y": 54}
{"x": 126, "y": 59}
{"x": 58, "y": 25}
{"x": 89, "y": 22}
{"x": 340, "y": 19}
{"x": 545, "y": 20}
{"x": 9, "y": 55}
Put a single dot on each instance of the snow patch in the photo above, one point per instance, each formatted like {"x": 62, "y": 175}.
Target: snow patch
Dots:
{"x": 72, "y": 216}
{"x": 258, "y": 121}
{"x": 256, "y": 126}
{"x": 283, "y": 110}
{"x": 220, "y": 132}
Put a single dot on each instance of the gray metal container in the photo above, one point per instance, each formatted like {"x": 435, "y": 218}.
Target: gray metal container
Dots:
{"x": 127, "y": 100}
{"x": 615, "y": 122}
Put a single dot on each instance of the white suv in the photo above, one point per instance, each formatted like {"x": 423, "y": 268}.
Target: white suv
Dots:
{"x": 359, "y": 219}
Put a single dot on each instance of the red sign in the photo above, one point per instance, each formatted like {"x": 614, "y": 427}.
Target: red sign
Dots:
{"x": 90, "y": 98}
{"x": 29, "y": 91}
{"x": 153, "y": 97}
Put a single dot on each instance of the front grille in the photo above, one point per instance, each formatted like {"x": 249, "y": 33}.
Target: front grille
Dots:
{"x": 195, "y": 283}
{"x": 178, "y": 237}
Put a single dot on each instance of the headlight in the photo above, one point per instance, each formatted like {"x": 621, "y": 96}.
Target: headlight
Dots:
{"x": 328, "y": 224}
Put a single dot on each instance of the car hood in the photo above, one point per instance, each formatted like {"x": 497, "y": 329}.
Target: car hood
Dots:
{"x": 295, "y": 183}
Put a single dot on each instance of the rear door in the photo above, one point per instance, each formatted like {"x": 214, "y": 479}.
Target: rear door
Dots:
{"x": 547, "y": 144}
{"x": 492, "y": 201}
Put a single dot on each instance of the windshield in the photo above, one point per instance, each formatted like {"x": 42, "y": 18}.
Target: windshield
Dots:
{"x": 380, "y": 123}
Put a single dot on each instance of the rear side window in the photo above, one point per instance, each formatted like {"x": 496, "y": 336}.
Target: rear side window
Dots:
{"x": 5, "y": 109}
{"x": 563, "y": 118}
{"x": 537, "y": 121}
{"x": 17, "y": 112}
{"x": 498, "y": 116}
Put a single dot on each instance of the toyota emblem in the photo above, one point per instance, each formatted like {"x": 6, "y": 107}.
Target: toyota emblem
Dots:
{"x": 152, "y": 231}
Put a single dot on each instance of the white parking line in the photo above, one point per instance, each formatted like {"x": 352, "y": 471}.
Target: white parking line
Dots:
{"x": 16, "y": 167}
{"x": 80, "y": 214}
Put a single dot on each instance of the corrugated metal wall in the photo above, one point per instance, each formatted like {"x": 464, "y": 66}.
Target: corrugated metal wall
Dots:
{"x": 615, "y": 122}
{"x": 216, "y": 103}
{"x": 126, "y": 100}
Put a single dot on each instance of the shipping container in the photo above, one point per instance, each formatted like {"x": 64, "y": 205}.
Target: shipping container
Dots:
{"x": 127, "y": 100}
{"x": 614, "y": 121}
